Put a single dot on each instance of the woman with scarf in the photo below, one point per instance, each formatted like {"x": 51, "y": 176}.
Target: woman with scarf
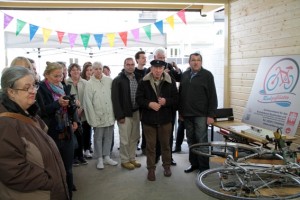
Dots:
{"x": 60, "y": 118}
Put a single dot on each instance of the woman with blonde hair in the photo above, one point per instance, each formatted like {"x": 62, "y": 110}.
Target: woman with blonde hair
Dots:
{"x": 60, "y": 118}
{"x": 21, "y": 62}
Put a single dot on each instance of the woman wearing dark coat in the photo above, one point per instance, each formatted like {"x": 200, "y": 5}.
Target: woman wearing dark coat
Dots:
{"x": 59, "y": 116}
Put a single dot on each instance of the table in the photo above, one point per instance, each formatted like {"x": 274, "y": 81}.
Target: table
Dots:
{"x": 228, "y": 126}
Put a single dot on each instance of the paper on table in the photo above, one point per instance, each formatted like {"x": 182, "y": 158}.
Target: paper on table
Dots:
{"x": 240, "y": 128}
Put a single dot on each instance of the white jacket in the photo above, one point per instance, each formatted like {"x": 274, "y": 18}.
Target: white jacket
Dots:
{"x": 97, "y": 102}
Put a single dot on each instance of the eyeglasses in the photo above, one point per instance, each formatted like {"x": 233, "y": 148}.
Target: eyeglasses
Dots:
{"x": 32, "y": 88}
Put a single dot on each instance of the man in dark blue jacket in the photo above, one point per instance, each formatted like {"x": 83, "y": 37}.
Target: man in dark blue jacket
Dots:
{"x": 197, "y": 104}
{"x": 157, "y": 97}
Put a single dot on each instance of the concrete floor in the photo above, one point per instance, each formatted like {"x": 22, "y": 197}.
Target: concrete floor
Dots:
{"x": 117, "y": 183}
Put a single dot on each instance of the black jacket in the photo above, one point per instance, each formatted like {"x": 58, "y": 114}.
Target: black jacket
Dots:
{"x": 50, "y": 108}
{"x": 197, "y": 95}
{"x": 146, "y": 94}
{"x": 120, "y": 95}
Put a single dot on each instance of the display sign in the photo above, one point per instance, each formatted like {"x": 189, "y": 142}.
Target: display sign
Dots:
{"x": 274, "y": 100}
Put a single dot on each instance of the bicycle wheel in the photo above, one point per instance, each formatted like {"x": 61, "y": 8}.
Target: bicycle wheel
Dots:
{"x": 256, "y": 183}
{"x": 222, "y": 149}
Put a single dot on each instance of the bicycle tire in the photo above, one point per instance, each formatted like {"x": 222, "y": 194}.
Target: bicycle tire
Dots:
{"x": 210, "y": 182}
{"x": 222, "y": 149}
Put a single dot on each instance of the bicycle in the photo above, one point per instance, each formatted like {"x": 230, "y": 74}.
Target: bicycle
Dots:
{"x": 239, "y": 179}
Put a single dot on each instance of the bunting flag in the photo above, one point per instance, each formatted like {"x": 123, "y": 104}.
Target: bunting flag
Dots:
{"x": 170, "y": 20}
{"x": 136, "y": 34}
{"x": 46, "y": 34}
{"x": 123, "y": 36}
{"x": 72, "y": 39}
{"x": 159, "y": 25}
{"x": 147, "y": 30}
{"x": 20, "y": 26}
{"x": 60, "y": 36}
{"x": 98, "y": 38}
{"x": 32, "y": 30}
{"x": 181, "y": 15}
{"x": 85, "y": 39}
{"x": 111, "y": 39}
{"x": 7, "y": 20}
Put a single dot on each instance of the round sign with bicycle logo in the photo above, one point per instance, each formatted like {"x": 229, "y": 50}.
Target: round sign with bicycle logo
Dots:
{"x": 282, "y": 77}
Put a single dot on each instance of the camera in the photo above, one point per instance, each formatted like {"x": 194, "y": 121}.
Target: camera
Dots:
{"x": 72, "y": 103}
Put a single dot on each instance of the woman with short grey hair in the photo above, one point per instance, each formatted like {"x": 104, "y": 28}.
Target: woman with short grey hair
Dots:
{"x": 30, "y": 163}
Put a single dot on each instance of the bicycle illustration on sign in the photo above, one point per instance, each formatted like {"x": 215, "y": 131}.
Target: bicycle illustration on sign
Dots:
{"x": 282, "y": 77}
{"x": 279, "y": 82}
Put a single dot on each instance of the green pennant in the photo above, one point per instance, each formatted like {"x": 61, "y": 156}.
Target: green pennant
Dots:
{"x": 147, "y": 30}
{"x": 20, "y": 26}
{"x": 85, "y": 39}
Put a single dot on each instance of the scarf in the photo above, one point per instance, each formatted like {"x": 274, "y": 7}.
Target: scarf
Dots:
{"x": 57, "y": 91}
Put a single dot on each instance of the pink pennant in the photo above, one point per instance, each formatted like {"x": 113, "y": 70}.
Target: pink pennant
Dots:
{"x": 181, "y": 14}
{"x": 136, "y": 34}
{"x": 7, "y": 20}
{"x": 72, "y": 38}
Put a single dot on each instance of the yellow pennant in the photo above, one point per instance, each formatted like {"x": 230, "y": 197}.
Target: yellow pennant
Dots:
{"x": 170, "y": 20}
{"x": 111, "y": 39}
{"x": 46, "y": 34}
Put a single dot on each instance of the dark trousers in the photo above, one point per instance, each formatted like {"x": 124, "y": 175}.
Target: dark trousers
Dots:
{"x": 66, "y": 150}
{"x": 87, "y": 134}
{"x": 196, "y": 132}
{"x": 78, "y": 151}
{"x": 180, "y": 134}
{"x": 158, "y": 152}
{"x": 162, "y": 133}
{"x": 143, "y": 145}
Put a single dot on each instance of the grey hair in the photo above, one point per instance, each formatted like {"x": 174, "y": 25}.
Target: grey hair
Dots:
{"x": 97, "y": 64}
{"x": 11, "y": 75}
{"x": 159, "y": 51}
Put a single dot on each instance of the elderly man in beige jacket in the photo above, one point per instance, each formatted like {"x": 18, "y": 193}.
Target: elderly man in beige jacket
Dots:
{"x": 99, "y": 114}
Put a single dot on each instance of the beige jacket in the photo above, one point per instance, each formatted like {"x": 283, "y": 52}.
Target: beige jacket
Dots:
{"x": 97, "y": 102}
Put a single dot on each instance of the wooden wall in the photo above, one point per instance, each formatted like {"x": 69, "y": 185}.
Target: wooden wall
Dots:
{"x": 258, "y": 28}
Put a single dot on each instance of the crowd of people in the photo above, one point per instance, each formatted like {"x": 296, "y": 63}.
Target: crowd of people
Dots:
{"x": 47, "y": 124}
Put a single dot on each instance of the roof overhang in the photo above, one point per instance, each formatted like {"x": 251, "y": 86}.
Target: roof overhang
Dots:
{"x": 189, "y": 5}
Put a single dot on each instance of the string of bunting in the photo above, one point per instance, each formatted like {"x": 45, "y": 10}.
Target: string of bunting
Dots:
{"x": 85, "y": 37}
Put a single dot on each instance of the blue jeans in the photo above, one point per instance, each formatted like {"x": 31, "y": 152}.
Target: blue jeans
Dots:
{"x": 196, "y": 132}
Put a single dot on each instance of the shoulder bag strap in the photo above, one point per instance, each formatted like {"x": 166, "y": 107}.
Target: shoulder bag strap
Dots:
{"x": 20, "y": 117}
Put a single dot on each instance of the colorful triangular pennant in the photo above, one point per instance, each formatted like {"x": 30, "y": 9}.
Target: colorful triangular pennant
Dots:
{"x": 32, "y": 30}
{"x": 123, "y": 36}
{"x": 85, "y": 39}
{"x": 46, "y": 34}
{"x": 98, "y": 38}
{"x": 181, "y": 15}
{"x": 159, "y": 25}
{"x": 72, "y": 39}
{"x": 7, "y": 20}
{"x": 60, "y": 36}
{"x": 20, "y": 26}
{"x": 136, "y": 34}
{"x": 147, "y": 30}
{"x": 170, "y": 20}
{"x": 111, "y": 39}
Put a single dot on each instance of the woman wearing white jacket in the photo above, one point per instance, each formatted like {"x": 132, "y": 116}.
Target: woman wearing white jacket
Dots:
{"x": 99, "y": 114}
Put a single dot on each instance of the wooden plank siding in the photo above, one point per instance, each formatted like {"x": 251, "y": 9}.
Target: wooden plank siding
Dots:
{"x": 258, "y": 29}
